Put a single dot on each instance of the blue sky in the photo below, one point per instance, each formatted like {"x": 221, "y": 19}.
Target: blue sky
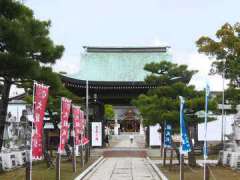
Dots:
{"x": 137, "y": 22}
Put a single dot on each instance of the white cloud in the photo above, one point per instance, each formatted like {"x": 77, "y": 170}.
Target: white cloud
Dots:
{"x": 202, "y": 63}
{"x": 68, "y": 64}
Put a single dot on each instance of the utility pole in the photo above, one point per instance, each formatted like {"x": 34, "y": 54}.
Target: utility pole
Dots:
{"x": 223, "y": 104}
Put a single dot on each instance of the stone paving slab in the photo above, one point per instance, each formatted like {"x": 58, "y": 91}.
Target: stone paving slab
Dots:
{"x": 123, "y": 169}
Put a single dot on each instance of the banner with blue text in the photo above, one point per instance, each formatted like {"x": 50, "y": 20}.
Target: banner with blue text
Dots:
{"x": 185, "y": 146}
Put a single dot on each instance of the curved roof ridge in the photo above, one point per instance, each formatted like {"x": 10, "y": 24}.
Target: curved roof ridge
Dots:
{"x": 118, "y": 49}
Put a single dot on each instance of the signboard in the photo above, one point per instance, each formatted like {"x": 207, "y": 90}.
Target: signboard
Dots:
{"x": 154, "y": 136}
{"x": 96, "y": 134}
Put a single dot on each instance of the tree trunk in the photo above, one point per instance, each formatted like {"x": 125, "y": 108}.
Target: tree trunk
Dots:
{"x": 3, "y": 107}
{"x": 164, "y": 156}
{"x": 191, "y": 154}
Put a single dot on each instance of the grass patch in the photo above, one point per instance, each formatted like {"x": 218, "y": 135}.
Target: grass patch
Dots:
{"x": 41, "y": 172}
{"x": 217, "y": 172}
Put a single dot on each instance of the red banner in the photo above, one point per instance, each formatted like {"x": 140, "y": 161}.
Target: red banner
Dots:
{"x": 76, "y": 124}
{"x": 83, "y": 139}
{"x": 65, "y": 111}
{"x": 40, "y": 102}
{"x": 82, "y": 122}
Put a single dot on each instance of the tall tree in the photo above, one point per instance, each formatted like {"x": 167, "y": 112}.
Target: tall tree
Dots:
{"x": 225, "y": 49}
{"x": 25, "y": 47}
{"x": 162, "y": 104}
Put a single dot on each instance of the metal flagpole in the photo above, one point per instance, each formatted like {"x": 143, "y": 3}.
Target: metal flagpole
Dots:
{"x": 87, "y": 103}
{"x": 181, "y": 167}
{"x": 180, "y": 150}
{"x": 223, "y": 99}
{"x": 185, "y": 145}
{"x": 74, "y": 155}
{"x": 87, "y": 119}
{"x": 74, "y": 146}
{"x": 205, "y": 131}
{"x": 29, "y": 166}
{"x": 58, "y": 160}
{"x": 164, "y": 148}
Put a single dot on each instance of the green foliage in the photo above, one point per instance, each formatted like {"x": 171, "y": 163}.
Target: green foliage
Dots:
{"x": 162, "y": 104}
{"x": 25, "y": 50}
{"x": 108, "y": 112}
{"x": 165, "y": 73}
{"x": 24, "y": 42}
{"x": 226, "y": 50}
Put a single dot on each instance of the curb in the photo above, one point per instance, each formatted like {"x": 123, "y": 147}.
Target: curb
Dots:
{"x": 90, "y": 168}
{"x": 157, "y": 170}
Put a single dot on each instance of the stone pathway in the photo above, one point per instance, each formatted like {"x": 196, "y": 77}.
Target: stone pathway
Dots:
{"x": 123, "y": 141}
{"x": 123, "y": 169}
{"x": 124, "y": 161}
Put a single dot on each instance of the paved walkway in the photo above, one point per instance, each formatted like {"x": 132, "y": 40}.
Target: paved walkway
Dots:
{"x": 123, "y": 141}
{"x": 123, "y": 169}
{"x": 131, "y": 166}
{"x": 119, "y": 167}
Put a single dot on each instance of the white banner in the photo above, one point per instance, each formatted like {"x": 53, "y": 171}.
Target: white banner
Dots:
{"x": 154, "y": 136}
{"x": 96, "y": 134}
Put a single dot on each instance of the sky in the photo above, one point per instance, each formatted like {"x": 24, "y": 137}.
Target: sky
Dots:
{"x": 175, "y": 23}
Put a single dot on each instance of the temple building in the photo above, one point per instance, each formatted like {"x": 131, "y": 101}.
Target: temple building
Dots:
{"x": 115, "y": 76}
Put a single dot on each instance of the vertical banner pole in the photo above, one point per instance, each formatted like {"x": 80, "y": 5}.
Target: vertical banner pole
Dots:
{"x": 87, "y": 119}
{"x": 164, "y": 147}
{"x": 181, "y": 166}
{"x": 82, "y": 159}
{"x": 29, "y": 163}
{"x": 82, "y": 136}
{"x": 184, "y": 146}
{"x": 76, "y": 123}
{"x": 82, "y": 155}
{"x": 65, "y": 111}
{"x": 181, "y": 143}
{"x": 205, "y": 176}
{"x": 58, "y": 163}
{"x": 40, "y": 95}
{"x": 223, "y": 104}
{"x": 73, "y": 151}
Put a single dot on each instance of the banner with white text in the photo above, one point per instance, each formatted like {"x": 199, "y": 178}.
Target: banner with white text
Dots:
{"x": 40, "y": 103}
{"x": 65, "y": 111}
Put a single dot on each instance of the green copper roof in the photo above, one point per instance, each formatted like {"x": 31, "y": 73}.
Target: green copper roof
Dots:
{"x": 115, "y": 65}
